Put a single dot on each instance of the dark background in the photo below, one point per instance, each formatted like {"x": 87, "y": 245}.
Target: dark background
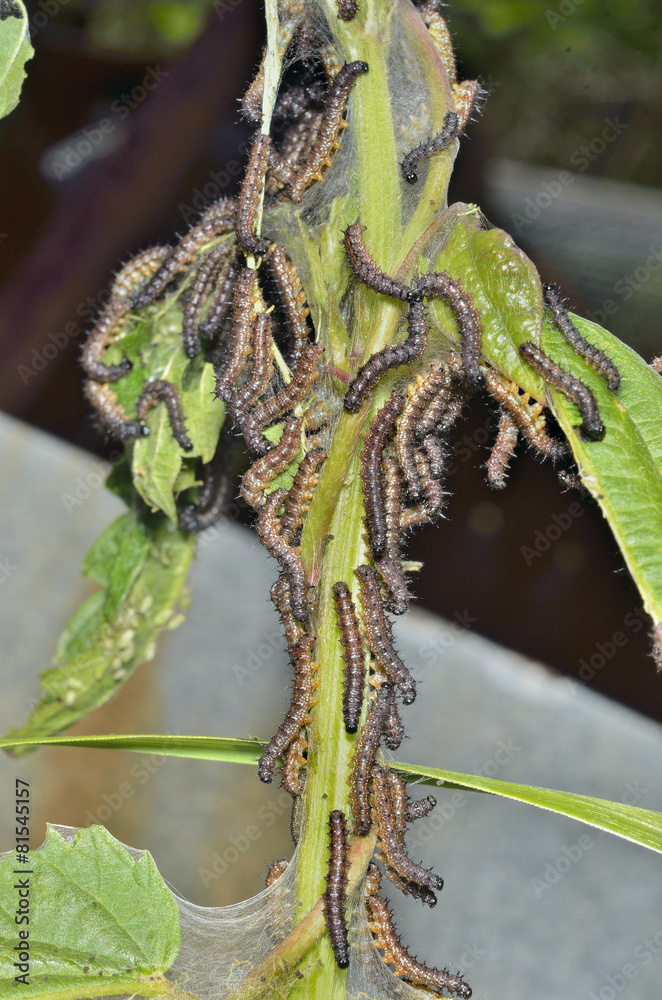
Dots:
{"x": 517, "y": 566}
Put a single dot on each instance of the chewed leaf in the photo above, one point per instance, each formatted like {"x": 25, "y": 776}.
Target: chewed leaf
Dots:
{"x": 116, "y": 629}
{"x": 100, "y": 921}
{"x": 624, "y": 471}
{"x": 15, "y": 50}
{"x": 505, "y": 289}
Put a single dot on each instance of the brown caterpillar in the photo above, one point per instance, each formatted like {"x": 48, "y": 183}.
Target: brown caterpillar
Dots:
{"x": 280, "y": 595}
{"x": 261, "y": 372}
{"x": 461, "y": 302}
{"x": 213, "y": 494}
{"x": 297, "y": 714}
{"x": 327, "y": 137}
{"x": 389, "y": 566}
{"x": 301, "y": 492}
{"x": 336, "y": 888}
{"x": 293, "y": 761}
{"x": 398, "y": 792}
{"x": 265, "y": 469}
{"x": 591, "y": 427}
{"x": 137, "y": 271}
{"x": 303, "y": 377}
{"x": 249, "y": 197}
{"x": 405, "y": 964}
{"x": 353, "y": 655}
{"x": 364, "y": 758}
{"x": 433, "y": 387}
{"x": 160, "y": 391}
{"x": 293, "y": 299}
{"x": 221, "y": 301}
{"x": 466, "y": 97}
{"x": 530, "y": 419}
{"x": 433, "y": 494}
{"x": 208, "y": 272}
{"x": 408, "y": 350}
{"x": 372, "y": 476}
{"x": 437, "y": 455}
{"x": 379, "y": 634}
{"x": 110, "y": 413}
{"x": 107, "y": 326}
{"x": 502, "y": 451}
{"x": 294, "y": 148}
{"x": 593, "y": 356}
{"x": 275, "y": 870}
{"x": 442, "y": 140}
{"x": 243, "y": 315}
{"x": 391, "y": 840}
{"x": 347, "y": 9}
{"x": 420, "y": 808}
{"x": 218, "y": 219}
{"x": 394, "y": 731}
{"x": 365, "y": 269}
{"x": 268, "y": 529}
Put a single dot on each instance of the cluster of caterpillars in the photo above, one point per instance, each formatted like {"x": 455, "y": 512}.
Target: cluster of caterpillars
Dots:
{"x": 244, "y": 308}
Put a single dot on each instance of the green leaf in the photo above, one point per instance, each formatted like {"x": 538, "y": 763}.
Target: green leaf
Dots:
{"x": 15, "y": 50}
{"x": 96, "y": 654}
{"x": 100, "y": 921}
{"x": 204, "y": 413}
{"x": 624, "y": 471}
{"x": 642, "y": 826}
{"x": 505, "y": 288}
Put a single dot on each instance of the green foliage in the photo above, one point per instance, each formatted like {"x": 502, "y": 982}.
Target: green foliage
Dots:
{"x": 15, "y": 50}
{"x": 99, "y": 921}
{"x": 142, "y": 569}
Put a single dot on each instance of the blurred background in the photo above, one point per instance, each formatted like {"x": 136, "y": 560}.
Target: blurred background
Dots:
{"x": 129, "y": 124}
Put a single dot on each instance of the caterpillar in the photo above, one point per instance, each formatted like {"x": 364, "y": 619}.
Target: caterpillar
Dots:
{"x": 208, "y": 272}
{"x": 392, "y": 843}
{"x": 336, "y": 888}
{"x": 112, "y": 416}
{"x": 436, "y": 453}
{"x": 280, "y": 595}
{"x": 442, "y": 140}
{"x": 389, "y": 566}
{"x": 409, "y": 350}
{"x": 136, "y": 271}
{"x": 221, "y": 301}
{"x": 347, "y": 9}
{"x": 591, "y": 427}
{"x": 268, "y": 529}
{"x": 327, "y": 137}
{"x": 275, "y": 870}
{"x": 364, "y": 757}
{"x": 249, "y": 197}
{"x": 243, "y": 315}
{"x": 353, "y": 655}
{"x": 530, "y": 419}
{"x": 161, "y": 391}
{"x": 398, "y": 791}
{"x": 297, "y": 714}
{"x": 394, "y": 731}
{"x": 433, "y": 494}
{"x": 502, "y": 451}
{"x": 466, "y": 97}
{"x": 265, "y": 469}
{"x": 372, "y": 477}
{"x": 293, "y": 299}
{"x": 293, "y": 761}
{"x": 100, "y": 337}
{"x": 213, "y": 494}
{"x": 218, "y": 219}
{"x": 301, "y": 492}
{"x": 434, "y": 387}
{"x": 405, "y": 964}
{"x": 379, "y": 634}
{"x": 593, "y": 356}
{"x": 461, "y": 302}
{"x": 420, "y": 808}
{"x": 366, "y": 270}
{"x": 303, "y": 377}
{"x": 441, "y": 38}
{"x": 257, "y": 383}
